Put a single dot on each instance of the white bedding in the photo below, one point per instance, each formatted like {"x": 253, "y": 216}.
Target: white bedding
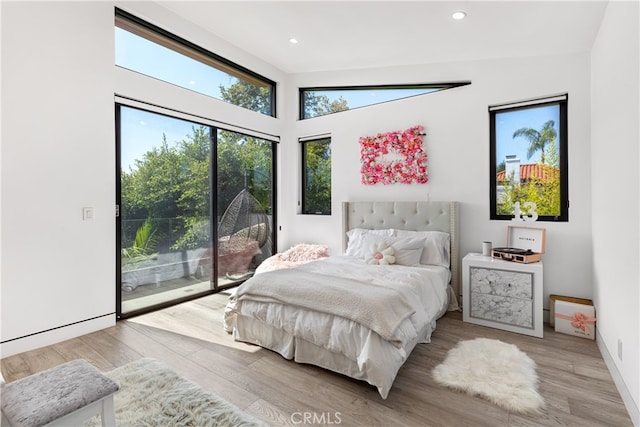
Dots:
{"x": 333, "y": 341}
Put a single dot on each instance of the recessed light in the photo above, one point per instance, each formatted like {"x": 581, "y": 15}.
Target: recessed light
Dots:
{"x": 459, "y": 14}
{"x": 293, "y": 40}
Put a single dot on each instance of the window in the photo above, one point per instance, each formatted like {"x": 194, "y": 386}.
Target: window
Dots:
{"x": 320, "y": 101}
{"x": 528, "y": 169}
{"x": 152, "y": 51}
{"x": 316, "y": 176}
{"x": 196, "y": 206}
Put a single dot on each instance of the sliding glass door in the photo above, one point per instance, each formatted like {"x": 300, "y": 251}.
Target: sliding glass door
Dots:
{"x": 189, "y": 223}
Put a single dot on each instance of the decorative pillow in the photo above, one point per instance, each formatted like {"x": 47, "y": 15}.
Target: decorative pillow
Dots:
{"x": 355, "y": 243}
{"x": 380, "y": 254}
{"x": 305, "y": 252}
{"x": 436, "y": 246}
{"x": 405, "y": 250}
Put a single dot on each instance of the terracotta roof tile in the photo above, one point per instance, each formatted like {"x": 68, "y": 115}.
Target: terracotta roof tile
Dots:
{"x": 529, "y": 171}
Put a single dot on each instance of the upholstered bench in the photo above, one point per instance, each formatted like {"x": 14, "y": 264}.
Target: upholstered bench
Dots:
{"x": 66, "y": 395}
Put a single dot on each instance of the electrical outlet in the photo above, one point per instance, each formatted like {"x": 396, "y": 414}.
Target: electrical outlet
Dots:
{"x": 87, "y": 214}
{"x": 620, "y": 349}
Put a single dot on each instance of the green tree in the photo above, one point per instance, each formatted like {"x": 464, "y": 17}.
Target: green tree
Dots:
{"x": 538, "y": 139}
{"x": 543, "y": 191}
{"x": 193, "y": 200}
{"x": 319, "y": 105}
{"x": 248, "y": 95}
{"x": 318, "y": 176}
{"x": 168, "y": 187}
{"x": 552, "y": 156}
{"x": 243, "y": 162}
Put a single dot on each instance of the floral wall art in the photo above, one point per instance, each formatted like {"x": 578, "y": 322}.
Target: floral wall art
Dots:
{"x": 394, "y": 157}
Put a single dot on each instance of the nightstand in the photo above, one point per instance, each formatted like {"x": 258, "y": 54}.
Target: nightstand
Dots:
{"x": 502, "y": 294}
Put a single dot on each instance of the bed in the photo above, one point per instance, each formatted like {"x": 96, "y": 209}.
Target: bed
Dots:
{"x": 358, "y": 314}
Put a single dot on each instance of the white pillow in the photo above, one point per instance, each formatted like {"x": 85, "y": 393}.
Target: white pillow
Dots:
{"x": 406, "y": 251}
{"x": 380, "y": 254}
{"x": 436, "y": 246}
{"x": 355, "y": 242}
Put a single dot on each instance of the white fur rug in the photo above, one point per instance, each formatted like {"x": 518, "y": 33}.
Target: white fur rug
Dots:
{"x": 151, "y": 394}
{"x": 494, "y": 370}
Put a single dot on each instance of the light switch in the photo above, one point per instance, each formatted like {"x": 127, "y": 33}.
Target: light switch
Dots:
{"x": 87, "y": 214}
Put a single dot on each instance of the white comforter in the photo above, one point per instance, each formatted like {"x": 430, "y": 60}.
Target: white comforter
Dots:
{"x": 350, "y": 346}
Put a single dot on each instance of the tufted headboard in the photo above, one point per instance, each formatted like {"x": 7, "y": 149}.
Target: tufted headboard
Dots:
{"x": 420, "y": 216}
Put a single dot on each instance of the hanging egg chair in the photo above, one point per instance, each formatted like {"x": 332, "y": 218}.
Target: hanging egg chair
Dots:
{"x": 243, "y": 230}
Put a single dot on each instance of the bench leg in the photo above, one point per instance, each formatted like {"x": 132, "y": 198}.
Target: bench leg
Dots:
{"x": 108, "y": 414}
{"x": 102, "y": 407}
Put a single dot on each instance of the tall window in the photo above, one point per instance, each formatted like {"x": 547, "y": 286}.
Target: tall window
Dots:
{"x": 316, "y": 176}
{"x": 528, "y": 170}
{"x": 318, "y": 101}
{"x": 147, "y": 49}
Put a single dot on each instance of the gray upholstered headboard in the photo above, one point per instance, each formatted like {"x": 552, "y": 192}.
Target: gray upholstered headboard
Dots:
{"x": 420, "y": 216}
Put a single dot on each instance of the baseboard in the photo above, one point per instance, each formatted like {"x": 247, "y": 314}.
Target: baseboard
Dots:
{"x": 629, "y": 403}
{"x": 56, "y": 335}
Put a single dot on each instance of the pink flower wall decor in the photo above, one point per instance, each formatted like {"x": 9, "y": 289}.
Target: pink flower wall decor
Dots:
{"x": 394, "y": 157}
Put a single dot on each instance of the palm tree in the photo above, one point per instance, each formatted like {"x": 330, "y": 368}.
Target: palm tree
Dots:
{"x": 538, "y": 139}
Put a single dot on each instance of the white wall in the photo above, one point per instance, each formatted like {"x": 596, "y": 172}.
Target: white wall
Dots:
{"x": 57, "y": 157}
{"x": 616, "y": 196}
{"x": 457, "y": 143}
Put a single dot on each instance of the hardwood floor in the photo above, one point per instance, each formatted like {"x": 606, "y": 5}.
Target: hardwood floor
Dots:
{"x": 574, "y": 380}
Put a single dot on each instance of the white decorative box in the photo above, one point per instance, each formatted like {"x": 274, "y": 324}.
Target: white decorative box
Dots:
{"x": 575, "y": 319}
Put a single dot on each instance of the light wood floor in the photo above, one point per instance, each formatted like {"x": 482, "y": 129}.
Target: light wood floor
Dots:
{"x": 574, "y": 380}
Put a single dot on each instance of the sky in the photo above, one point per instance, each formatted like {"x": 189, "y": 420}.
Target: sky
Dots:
{"x": 361, "y": 98}
{"x": 141, "y": 55}
{"x": 508, "y": 122}
{"x": 142, "y": 130}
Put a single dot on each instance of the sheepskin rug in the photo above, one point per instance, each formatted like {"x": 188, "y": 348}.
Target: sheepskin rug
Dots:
{"x": 494, "y": 370}
{"x": 151, "y": 394}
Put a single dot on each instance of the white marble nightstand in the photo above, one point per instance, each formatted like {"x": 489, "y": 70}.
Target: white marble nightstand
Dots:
{"x": 502, "y": 294}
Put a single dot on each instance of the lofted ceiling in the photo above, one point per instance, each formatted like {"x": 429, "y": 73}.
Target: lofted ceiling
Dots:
{"x": 338, "y": 35}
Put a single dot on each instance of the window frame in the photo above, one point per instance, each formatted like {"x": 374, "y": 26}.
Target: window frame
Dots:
{"x": 168, "y": 40}
{"x": 562, "y": 102}
{"x": 438, "y": 86}
{"x": 303, "y": 173}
